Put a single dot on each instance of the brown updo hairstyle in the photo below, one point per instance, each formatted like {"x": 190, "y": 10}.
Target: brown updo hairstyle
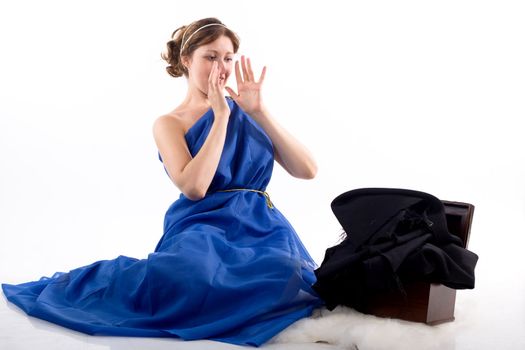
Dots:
{"x": 202, "y": 37}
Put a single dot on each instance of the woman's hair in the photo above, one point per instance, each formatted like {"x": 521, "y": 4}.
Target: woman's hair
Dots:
{"x": 193, "y": 38}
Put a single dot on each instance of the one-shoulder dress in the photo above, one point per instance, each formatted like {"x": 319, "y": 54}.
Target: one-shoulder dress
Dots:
{"x": 229, "y": 267}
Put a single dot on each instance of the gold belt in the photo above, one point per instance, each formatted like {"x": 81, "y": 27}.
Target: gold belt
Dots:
{"x": 264, "y": 193}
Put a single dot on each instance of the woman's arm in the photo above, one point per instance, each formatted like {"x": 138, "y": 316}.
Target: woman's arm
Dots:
{"x": 289, "y": 152}
{"x": 192, "y": 175}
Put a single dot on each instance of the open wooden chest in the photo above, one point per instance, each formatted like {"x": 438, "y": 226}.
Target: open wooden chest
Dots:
{"x": 430, "y": 303}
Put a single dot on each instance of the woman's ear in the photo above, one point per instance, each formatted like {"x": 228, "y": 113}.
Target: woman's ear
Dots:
{"x": 186, "y": 62}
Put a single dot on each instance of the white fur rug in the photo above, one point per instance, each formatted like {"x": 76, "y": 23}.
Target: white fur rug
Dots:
{"x": 345, "y": 328}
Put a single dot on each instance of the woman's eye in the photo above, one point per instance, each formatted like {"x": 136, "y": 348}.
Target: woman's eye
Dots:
{"x": 213, "y": 58}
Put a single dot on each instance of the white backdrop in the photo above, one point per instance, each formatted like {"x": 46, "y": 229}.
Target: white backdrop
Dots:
{"x": 410, "y": 94}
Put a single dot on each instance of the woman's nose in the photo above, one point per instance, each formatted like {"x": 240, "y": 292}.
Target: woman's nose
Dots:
{"x": 222, "y": 67}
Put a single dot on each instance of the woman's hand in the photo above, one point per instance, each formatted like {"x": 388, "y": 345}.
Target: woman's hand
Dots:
{"x": 249, "y": 97}
{"x": 215, "y": 92}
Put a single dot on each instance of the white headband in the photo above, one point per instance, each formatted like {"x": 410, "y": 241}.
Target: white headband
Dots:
{"x": 204, "y": 26}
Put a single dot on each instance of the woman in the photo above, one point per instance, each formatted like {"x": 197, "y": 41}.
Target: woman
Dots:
{"x": 229, "y": 266}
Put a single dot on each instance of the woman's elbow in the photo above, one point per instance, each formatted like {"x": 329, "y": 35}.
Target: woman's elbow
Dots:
{"x": 309, "y": 172}
{"x": 189, "y": 189}
{"x": 312, "y": 169}
{"x": 194, "y": 193}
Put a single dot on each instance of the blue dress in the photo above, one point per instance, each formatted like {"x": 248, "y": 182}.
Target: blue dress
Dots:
{"x": 229, "y": 267}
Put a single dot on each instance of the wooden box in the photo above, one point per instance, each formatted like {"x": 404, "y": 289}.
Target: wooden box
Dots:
{"x": 430, "y": 303}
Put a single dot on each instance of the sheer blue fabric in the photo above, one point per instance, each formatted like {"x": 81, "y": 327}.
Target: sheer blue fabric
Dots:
{"x": 228, "y": 267}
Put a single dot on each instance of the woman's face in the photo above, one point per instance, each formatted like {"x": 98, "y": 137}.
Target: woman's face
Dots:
{"x": 200, "y": 64}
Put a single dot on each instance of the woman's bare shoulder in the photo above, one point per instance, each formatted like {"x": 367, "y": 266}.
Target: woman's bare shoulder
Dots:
{"x": 171, "y": 121}
{"x": 180, "y": 119}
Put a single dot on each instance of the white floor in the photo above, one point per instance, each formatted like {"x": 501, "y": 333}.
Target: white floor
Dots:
{"x": 478, "y": 325}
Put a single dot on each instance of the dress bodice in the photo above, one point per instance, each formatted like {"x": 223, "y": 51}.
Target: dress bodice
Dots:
{"x": 247, "y": 157}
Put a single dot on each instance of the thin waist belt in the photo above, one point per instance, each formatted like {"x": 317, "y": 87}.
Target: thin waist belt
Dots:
{"x": 264, "y": 193}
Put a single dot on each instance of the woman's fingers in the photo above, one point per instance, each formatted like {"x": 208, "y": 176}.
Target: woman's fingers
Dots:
{"x": 215, "y": 84}
{"x": 214, "y": 79}
{"x": 221, "y": 81}
{"x": 250, "y": 71}
{"x": 231, "y": 92}
{"x": 238, "y": 73}
{"x": 245, "y": 74}
{"x": 213, "y": 76}
{"x": 247, "y": 71}
{"x": 263, "y": 74}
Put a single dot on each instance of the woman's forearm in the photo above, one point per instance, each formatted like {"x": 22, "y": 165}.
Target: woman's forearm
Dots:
{"x": 289, "y": 152}
{"x": 199, "y": 172}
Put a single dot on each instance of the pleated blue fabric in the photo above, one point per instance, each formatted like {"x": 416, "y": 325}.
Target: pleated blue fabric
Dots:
{"x": 229, "y": 267}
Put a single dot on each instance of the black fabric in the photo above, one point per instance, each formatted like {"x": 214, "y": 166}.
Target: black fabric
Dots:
{"x": 393, "y": 236}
